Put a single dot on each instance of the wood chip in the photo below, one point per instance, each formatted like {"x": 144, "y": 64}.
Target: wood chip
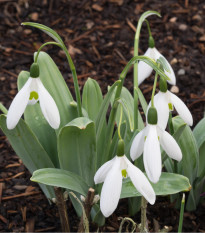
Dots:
{"x": 3, "y": 219}
{"x": 202, "y": 38}
{"x": 30, "y": 225}
{"x": 97, "y": 7}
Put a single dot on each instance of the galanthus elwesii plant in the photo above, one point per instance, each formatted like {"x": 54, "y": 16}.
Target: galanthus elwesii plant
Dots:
{"x": 72, "y": 145}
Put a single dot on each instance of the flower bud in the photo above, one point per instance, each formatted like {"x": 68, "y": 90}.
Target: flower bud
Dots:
{"x": 34, "y": 70}
{"x": 152, "y": 116}
{"x": 121, "y": 148}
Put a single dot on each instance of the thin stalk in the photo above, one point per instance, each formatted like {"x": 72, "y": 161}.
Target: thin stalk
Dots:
{"x": 181, "y": 214}
{"x": 154, "y": 89}
{"x": 143, "y": 215}
{"x": 73, "y": 71}
{"x": 148, "y": 27}
{"x": 62, "y": 209}
{"x": 47, "y": 43}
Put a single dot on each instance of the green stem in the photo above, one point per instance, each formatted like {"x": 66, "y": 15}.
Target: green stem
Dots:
{"x": 47, "y": 43}
{"x": 3, "y": 108}
{"x": 136, "y": 48}
{"x": 181, "y": 214}
{"x": 120, "y": 122}
{"x": 73, "y": 71}
{"x": 154, "y": 89}
{"x": 148, "y": 27}
{"x": 75, "y": 81}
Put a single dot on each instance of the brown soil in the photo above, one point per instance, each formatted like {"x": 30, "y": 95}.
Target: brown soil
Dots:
{"x": 99, "y": 35}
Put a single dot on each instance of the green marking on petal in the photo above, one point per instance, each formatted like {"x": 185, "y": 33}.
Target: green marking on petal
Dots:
{"x": 170, "y": 106}
{"x": 34, "y": 95}
{"x": 124, "y": 173}
{"x": 145, "y": 138}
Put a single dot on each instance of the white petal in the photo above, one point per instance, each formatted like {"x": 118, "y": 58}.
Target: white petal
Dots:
{"x": 137, "y": 145}
{"x": 161, "y": 104}
{"x": 48, "y": 106}
{"x": 141, "y": 182}
{"x": 152, "y": 155}
{"x": 170, "y": 146}
{"x": 102, "y": 172}
{"x": 111, "y": 189}
{"x": 18, "y": 105}
{"x": 144, "y": 70}
{"x": 181, "y": 109}
{"x": 171, "y": 75}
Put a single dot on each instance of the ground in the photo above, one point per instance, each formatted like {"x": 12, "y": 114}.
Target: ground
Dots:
{"x": 99, "y": 36}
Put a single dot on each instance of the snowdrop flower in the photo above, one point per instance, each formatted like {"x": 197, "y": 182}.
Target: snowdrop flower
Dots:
{"x": 165, "y": 101}
{"x": 144, "y": 70}
{"x": 30, "y": 93}
{"x": 112, "y": 173}
{"x": 149, "y": 140}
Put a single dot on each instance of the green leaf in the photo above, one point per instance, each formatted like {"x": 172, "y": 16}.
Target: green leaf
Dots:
{"x": 162, "y": 60}
{"x": 92, "y": 98}
{"x": 56, "y": 86}
{"x": 35, "y": 120}
{"x": 28, "y": 148}
{"x": 77, "y": 148}
{"x": 60, "y": 178}
{"x": 45, "y": 29}
{"x": 188, "y": 166}
{"x": 169, "y": 183}
{"x": 199, "y": 134}
{"x": 142, "y": 99}
{"x": 103, "y": 109}
{"x": 97, "y": 216}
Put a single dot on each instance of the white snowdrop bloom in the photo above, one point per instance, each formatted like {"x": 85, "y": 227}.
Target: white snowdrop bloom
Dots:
{"x": 112, "y": 173}
{"x": 144, "y": 70}
{"x": 165, "y": 101}
{"x": 149, "y": 140}
{"x": 30, "y": 93}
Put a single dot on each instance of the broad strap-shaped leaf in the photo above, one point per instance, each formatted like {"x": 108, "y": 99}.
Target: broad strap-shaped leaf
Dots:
{"x": 92, "y": 98}
{"x": 128, "y": 107}
{"x": 28, "y": 148}
{"x": 77, "y": 148}
{"x": 189, "y": 163}
{"x": 103, "y": 109}
{"x": 169, "y": 183}
{"x": 199, "y": 134}
{"x": 60, "y": 178}
{"x": 56, "y": 86}
{"x": 35, "y": 120}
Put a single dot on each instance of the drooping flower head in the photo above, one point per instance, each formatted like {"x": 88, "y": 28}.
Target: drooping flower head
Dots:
{"x": 166, "y": 101}
{"x": 144, "y": 70}
{"x": 149, "y": 140}
{"x": 112, "y": 173}
{"x": 32, "y": 92}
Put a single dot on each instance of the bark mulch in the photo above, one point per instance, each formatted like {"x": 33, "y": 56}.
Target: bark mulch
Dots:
{"x": 99, "y": 35}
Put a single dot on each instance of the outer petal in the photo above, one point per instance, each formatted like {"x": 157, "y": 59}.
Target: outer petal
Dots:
{"x": 141, "y": 182}
{"x": 137, "y": 145}
{"x": 171, "y": 75}
{"x": 102, "y": 172}
{"x": 111, "y": 189}
{"x": 144, "y": 70}
{"x": 48, "y": 106}
{"x": 152, "y": 155}
{"x": 18, "y": 105}
{"x": 170, "y": 146}
{"x": 181, "y": 109}
{"x": 161, "y": 104}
